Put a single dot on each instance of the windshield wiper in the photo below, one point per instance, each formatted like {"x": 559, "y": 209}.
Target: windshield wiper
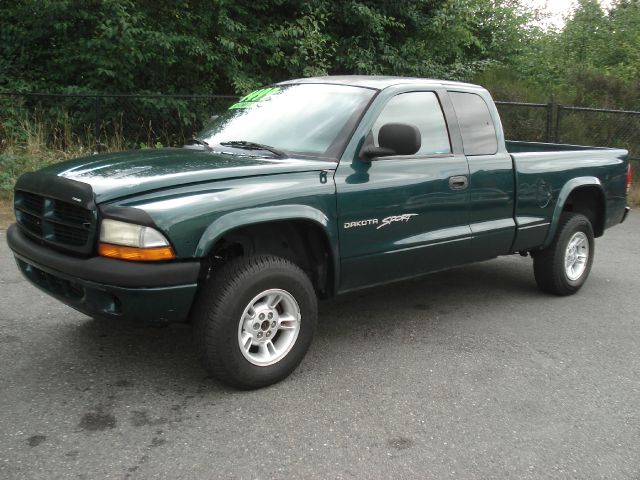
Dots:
{"x": 242, "y": 144}
{"x": 197, "y": 141}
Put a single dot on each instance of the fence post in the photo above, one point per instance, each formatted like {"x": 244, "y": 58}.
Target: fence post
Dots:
{"x": 547, "y": 135}
{"x": 556, "y": 136}
{"x": 98, "y": 125}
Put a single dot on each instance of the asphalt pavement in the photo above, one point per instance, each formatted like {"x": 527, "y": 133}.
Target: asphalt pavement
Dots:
{"x": 468, "y": 374}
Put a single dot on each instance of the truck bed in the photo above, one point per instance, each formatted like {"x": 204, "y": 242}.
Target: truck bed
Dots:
{"x": 545, "y": 174}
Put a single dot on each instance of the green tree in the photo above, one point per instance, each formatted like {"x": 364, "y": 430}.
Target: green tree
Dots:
{"x": 232, "y": 46}
{"x": 593, "y": 61}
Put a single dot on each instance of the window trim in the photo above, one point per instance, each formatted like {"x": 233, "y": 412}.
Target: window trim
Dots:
{"x": 414, "y": 157}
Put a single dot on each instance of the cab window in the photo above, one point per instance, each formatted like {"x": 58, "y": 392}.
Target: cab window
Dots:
{"x": 476, "y": 125}
{"x": 421, "y": 109}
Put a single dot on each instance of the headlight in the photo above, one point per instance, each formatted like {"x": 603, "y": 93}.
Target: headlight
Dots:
{"x": 131, "y": 235}
{"x": 129, "y": 241}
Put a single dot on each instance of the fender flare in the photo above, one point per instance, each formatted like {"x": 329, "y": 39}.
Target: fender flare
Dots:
{"x": 564, "y": 194}
{"x": 252, "y": 216}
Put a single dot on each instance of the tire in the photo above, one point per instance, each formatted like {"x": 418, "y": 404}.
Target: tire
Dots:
{"x": 249, "y": 303}
{"x": 557, "y": 270}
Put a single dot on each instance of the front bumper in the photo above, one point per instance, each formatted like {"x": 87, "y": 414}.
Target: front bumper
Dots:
{"x": 154, "y": 293}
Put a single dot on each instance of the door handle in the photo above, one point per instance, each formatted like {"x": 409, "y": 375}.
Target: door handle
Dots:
{"x": 459, "y": 182}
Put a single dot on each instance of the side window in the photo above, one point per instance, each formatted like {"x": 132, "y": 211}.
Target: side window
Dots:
{"x": 476, "y": 125}
{"x": 423, "y": 110}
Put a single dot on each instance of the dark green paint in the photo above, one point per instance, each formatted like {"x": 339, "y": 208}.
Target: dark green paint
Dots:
{"x": 393, "y": 187}
{"x": 195, "y": 216}
{"x": 117, "y": 175}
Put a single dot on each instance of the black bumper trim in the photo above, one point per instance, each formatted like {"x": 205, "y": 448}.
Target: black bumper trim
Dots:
{"x": 104, "y": 270}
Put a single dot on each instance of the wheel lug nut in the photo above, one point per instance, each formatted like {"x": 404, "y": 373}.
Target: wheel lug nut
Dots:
{"x": 261, "y": 316}
{"x": 259, "y": 334}
{"x": 256, "y": 326}
{"x": 270, "y": 315}
{"x": 268, "y": 334}
{"x": 273, "y": 324}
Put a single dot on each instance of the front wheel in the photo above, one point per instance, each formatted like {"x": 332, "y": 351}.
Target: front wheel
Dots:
{"x": 563, "y": 267}
{"x": 254, "y": 321}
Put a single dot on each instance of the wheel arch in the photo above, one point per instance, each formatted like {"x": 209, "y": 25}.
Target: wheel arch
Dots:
{"x": 583, "y": 195}
{"x": 300, "y": 233}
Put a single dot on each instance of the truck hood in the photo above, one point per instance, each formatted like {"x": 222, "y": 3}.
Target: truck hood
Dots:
{"x": 129, "y": 173}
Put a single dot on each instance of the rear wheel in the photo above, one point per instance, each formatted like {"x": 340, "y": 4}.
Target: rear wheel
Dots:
{"x": 563, "y": 267}
{"x": 254, "y": 321}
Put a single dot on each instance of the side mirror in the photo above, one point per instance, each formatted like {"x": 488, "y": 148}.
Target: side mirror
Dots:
{"x": 394, "y": 139}
{"x": 371, "y": 151}
{"x": 403, "y": 138}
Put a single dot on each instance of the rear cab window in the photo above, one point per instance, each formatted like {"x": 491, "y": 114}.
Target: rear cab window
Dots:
{"x": 476, "y": 124}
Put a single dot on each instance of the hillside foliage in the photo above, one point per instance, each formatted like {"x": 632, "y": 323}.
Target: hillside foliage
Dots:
{"x": 232, "y": 46}
{"x": 593, "y": 61}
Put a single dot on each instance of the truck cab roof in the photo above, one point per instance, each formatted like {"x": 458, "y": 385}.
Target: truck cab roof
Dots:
{"x": 379, "y": 82}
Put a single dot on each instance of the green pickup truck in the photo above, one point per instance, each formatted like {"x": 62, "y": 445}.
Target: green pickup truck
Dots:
{"x": 301, "y": 191}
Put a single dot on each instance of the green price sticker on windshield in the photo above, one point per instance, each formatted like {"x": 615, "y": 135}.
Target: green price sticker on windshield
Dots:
{"x": 254, "y": 97}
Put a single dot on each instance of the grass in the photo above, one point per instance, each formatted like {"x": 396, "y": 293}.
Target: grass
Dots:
{"x": 29, "y": 144}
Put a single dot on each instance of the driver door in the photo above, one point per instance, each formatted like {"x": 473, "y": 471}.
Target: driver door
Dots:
{"x": 402, "y": 216}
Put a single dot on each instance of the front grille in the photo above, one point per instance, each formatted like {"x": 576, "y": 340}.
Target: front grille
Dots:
{"x": 31, "y": 202}
{"x": 55, "y": 222}
{"x": 72, "y": 212}
{"x": 70, "y": 235}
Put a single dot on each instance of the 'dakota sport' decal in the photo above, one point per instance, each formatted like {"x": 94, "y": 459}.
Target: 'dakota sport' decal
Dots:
{"x": 405, "y": 217}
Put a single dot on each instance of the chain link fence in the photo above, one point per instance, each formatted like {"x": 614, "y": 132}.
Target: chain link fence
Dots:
{"x": 531, "y": 122}
{"x": 600, "y": 127}
{"x": 99, "y": 121}
{"x": 549, "y": 122}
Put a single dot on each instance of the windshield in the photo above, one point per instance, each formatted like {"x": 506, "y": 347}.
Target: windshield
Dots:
{"x": 312, "y": 119}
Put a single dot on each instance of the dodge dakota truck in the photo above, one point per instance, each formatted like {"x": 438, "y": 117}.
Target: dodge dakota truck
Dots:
{"x": 301, "y": 191}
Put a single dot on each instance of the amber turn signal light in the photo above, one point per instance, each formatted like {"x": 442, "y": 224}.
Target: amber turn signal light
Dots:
{"x": 154, "y": 254}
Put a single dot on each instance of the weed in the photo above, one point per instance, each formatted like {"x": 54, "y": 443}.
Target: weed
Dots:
{"x": 32, "y": 142}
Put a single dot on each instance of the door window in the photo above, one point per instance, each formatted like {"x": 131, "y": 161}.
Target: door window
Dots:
{"x": 421, "y": 109}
